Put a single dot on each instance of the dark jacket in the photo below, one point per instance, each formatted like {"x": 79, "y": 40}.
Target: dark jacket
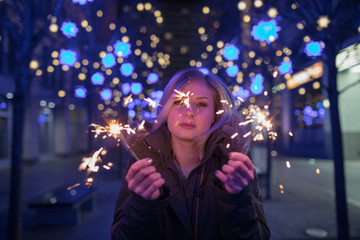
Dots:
{"x": 194, "y": 208}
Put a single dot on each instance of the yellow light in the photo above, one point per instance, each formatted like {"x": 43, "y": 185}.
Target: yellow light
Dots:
{"x": 34, "y": 64}
{"x": 55, "y": 54}
{"x": 263, "y": 44}
{"x": 137, "y": 52}
{"x": 209, "y": 48}
{"x": 77, "y": 65}
{"x": 88, "y": 28}
{"x": 257, "y": 62}
{"x": 323, "y": 22}
{"x": 148, "y": 6}
{"x": 53, "y": 27}
{"x": 206, "y": 10}
{"x": 326, "y": 103}
{"x": 201, "y": 30}
{"x": 278, "y": 53}
{"x": 258, "y": 3}
{"x": 198, "y": 64}
{"x": 293, "y": 6}
{"x": 140, "y": 7}
{"x": 246, "y": 18}
{"x": 38, "y": 72}
{"x": 108, "y": 72}
{"x": 65, "y": 68}
{"x": 116, "y": 80}
{"x": 300, "y": 26}
{"x": 220, "y": 44}
{"x": 85, "y": 62}
{"x": 100, "y": 107}
{"x": 157, "y": 13}
{"x": 138, "y": 42}
{"x": 123, "y": 29}
{"x": 218, "y": 58}
{"x": 50, "y": 69}
{"x": 153, "y": 45}
{"x": 251, "y": 54}
{"x": 306, "y": 39}
{"x": 192, "y": 63}
{"x": 272, "y": 12}
{"x": 81, "y": 76}
{"x": 214, "y": 70}
{"x": 302, "y": 91}
{"x": 109, "y": 48}
{"x": 55, "y": 62}
{"x": 316, "y": 85}
{"x": 241, "y": 5}
{"x": 159, "y": 19}
{"x": 244, "y": 65}
{"x": 96, "y": 65}
{"x": 61, "y": 93}
{"x": 184, "y": 49}
{"x": 99, "y": 13}
{"x": 125, "y": 39}
{"x": 112, "y": 26}
{"x": 84, "y": 23}
{"x": 204, "y": 55}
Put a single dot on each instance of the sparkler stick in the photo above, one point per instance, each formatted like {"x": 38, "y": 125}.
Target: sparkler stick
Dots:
{"x": 125, "y": 143}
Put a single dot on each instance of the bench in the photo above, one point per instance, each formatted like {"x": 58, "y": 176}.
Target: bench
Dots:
{"x": 63, "y": 205}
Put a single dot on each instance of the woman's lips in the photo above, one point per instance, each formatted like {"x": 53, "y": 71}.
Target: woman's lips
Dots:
{"x": 187, "y": 125}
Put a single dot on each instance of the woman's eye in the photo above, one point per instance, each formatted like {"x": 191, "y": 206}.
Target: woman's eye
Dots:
{"x": 202, "y": 104}
{"x": 177, "y": 102}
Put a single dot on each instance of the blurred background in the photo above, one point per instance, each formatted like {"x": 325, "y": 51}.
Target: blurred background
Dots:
{"x": 65, "y": 65}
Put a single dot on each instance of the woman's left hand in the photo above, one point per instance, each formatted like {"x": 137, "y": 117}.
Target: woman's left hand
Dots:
{"x": 237, "y": 173}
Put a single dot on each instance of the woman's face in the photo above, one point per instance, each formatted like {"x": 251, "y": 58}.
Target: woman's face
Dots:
{"x": 193, "y": 115}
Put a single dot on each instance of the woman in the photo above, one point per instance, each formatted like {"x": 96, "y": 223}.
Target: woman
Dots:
{"x": 193, "y": 180}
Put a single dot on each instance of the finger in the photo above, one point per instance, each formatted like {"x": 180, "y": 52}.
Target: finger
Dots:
{"x": 230, "y": 186}
{"x": 141, "y": 187}
{"x": 242, "y": 169}
{"x": 140, "y": 176}
{"x": 235, "y": 175}
{"x": 135, "y": 167}
{"x": 149, "y": 193}
{"x": 237, "y": 156}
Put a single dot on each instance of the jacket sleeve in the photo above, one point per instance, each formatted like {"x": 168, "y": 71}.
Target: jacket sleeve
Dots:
{"x": 241, "y": 215}
{"x": 135, "y": 217}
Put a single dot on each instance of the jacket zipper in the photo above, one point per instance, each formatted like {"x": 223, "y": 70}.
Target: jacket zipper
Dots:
{"x": 198, "y": 193}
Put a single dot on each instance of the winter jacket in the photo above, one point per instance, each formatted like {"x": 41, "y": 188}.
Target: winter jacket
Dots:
{"x": 198, "y": 207}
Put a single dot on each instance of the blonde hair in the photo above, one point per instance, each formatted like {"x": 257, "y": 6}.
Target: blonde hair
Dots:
{"x": 223, "y": 98}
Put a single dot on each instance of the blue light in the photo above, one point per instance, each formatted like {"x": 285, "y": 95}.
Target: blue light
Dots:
{"x": 266, "y": 31}
{"x": 69, "y": 29}
{"x": 126, "y": 69}
{"x": 82, "y": 2}
{"x": 232, "y": 70}
{"x": 204, "y": 71}
{"x": 122, "y": 49}
{"x": 242, "y": 93}
{"x": 285, "y": 67}
{"x": 136, "y": 88}
{"x": 67, "y": 57}
{"x": 42, "y": 118}
{"x": 97, "y": 78}
{"x": 125, "y": 88}
{"x": 106, "y": 94}
{"x": 131, "y": 105}
{"x": 131, "y": 113}
{"x": 297, "y": 112}
{"x": 307, "y": 110}
{"x": 313, "y": 49}
{"x": 80, "y": 92}
{"x": 157, "y": 95}
{"x": 3, "y": 105}
{"x": 108, "y": 60}
{"x": 152, "y": 78}
{"x": 322, "y": 113}
{"x": 256, "y": 86}
{"x": 231, "y": 52}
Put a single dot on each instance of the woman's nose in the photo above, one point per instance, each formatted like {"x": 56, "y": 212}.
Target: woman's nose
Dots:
{"x": 189, "y": 112}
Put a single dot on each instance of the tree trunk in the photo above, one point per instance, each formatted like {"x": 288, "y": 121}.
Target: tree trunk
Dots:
{"x": 337, "y": 146}
{"x": 15, "y": 200}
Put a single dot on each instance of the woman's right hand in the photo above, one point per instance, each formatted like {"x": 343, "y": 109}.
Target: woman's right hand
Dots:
{"x": 143, "y": 179}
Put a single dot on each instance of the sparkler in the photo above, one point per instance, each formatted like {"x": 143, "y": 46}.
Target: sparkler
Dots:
{"x": 184, "y": 98}
{"x": 115, "y": 129}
